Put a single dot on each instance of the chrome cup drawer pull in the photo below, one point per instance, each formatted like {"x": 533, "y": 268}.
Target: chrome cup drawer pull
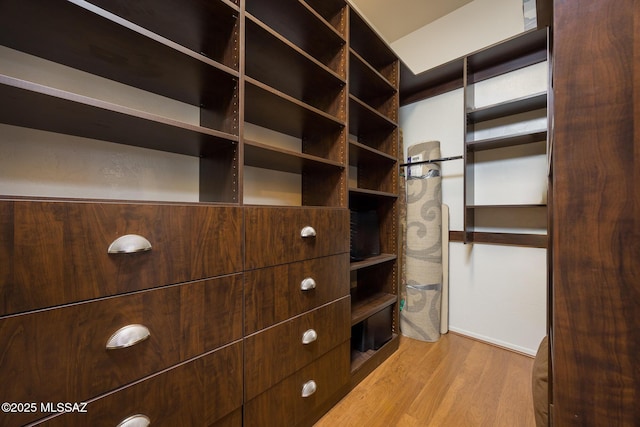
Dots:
{"x": 138, "y": 420}
{"x": 129, "y": 244}
{"x": 308, "y": 231}
{"x": 309, "y": 336}
{"x": 307, "y": 284}
{"x": 128, "y": 336}
{"x": 309, "y": 388}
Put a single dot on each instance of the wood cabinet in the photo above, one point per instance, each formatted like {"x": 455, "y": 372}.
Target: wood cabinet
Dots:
{"x": 215, "y": 289}
{"x": 595, "y": 246}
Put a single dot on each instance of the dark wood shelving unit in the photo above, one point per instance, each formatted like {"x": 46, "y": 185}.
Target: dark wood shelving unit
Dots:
{"x": 268, "y": 157}
{"x": 371, "y": 261}
{"x": 276, "y": 110}
{"x": 299, "y": 23}
{"x": 280, "y": 64}
{"x": 116, "y": 49}
{"x": 518, "y": 52}
{"x": 373, "y": 152}
{"x": 41, "y": 107}
{"x": 198, "y": 25}
{"x": 507, "y": 141}
{"x": 508, "y": 108}
{"x": 361, "y": 309}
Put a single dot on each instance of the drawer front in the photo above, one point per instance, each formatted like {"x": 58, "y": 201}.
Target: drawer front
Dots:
{"x": 273, "y": 235}
{"x": 203, "y": 392}
{"x": 60, "y": 354}
{"x": 275, "y": 353}
{"x": 275, "y": 294}
{"x": 58, "y": 251}
{"x": 283, "y": 405}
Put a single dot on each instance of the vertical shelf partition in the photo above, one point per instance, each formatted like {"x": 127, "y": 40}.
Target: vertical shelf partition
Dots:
{"x": 295, "y": 84}
{"x": 514, "y": 54}
{"x": 373, "y": 193}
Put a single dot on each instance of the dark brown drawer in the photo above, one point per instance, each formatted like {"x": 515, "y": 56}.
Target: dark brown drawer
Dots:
{"x": 60, "y": 354}
{"x": 275, "y": 353}
{"x": 55, "y": 253}
{"x": 283, "y": 405}
{"x": 275, "y": 294}
{"x": 204, "y": 392}
{"x": 274, "y": 235}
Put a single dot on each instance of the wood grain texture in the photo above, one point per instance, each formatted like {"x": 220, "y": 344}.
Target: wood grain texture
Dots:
{"x": 273, "y": 294}
{"x": 282, "y": 405}
{"x": 595, "y": 340}
{"x": 272, "y": 235}
{"x": 60, "y": 355}
{"x": 59, "y": 249}
{"x": 275, "y": 353}
{"x": 182, "y": 396}
{"x": 455, "y": 381}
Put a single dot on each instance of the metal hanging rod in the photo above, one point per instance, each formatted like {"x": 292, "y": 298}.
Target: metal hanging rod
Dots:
{"x": 443, "y": 159}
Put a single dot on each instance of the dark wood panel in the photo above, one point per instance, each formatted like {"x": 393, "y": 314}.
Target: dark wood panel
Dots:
{"x": 210, "y": 28}
{"x": 268, "y": 157}
{"x": 507, "y": 141}
{"x": 82, "y": 37}
{"x": 267, "y": 107}
{"x": 596, "y": 234}
{"x": 203, "y": 392}
{"x": 274, "y": 294}
{"x": 366, "y": 307}
{"x": 272, "y": 235}
{"x": 59, "y": 253}
{"x": 275, "y": 353}
{"x": 283, "y": 66}
{"x": 515, "y": 106}
{"x": 282, "y": 405}
{"x": 60, "y": 355}
{"x": 375, "y": 51}
{"x": 300, "y": 24}
{"x": 36, "y": 106}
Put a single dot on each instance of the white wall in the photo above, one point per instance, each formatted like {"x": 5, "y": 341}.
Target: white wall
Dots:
{"x": 472, "y": 27}
{"x": 497, "y": 293}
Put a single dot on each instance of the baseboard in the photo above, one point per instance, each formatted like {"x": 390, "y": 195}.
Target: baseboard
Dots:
{"x": 494, "y": 342}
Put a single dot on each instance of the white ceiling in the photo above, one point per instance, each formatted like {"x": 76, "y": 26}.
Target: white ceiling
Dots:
{"x": 394, "y": 19}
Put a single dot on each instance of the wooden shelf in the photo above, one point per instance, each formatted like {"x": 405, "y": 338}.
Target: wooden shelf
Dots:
{"x": 507, "y": 141}
{"x": 264, "y": 156}
{"x": 361, "y": 309}
{"x": 267, "y": 107}
{"x": 280, "y": 64}
{"x": 526, "y": 240}
{"x": 364, "y": 119}
{"x": 426, "y": 84}
{"x": 299, "y": 23}
{"x": 361, "y": 192}
{"x": 515, "y": 106}
{"x": 520, "y": 51}
{"x": 371, "y": 261}
{"x": 372, "y": 49}
{"x": 111, "y": 47}
{"x": 362, "y": 364}
{"x": 365, "y": 80}
{"x": 509, "y": 206}
{"x": 363, "y": 154}
{"x": 36, "y": 106}
{"x": 210, "y": 28}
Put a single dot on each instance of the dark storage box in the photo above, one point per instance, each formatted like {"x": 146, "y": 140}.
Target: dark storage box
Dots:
{"x": 373, "y": 332}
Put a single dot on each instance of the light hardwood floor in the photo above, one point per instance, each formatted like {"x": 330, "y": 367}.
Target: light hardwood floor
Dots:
{"x": 455, "y": 382}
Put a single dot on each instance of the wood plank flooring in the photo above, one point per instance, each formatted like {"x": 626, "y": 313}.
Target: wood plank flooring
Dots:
{"x": 457, "y": 382}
